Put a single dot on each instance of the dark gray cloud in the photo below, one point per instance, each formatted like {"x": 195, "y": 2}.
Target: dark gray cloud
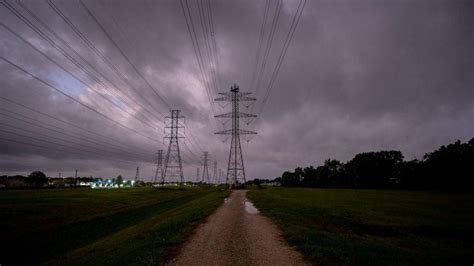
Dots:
{"x": 358, "y": 76}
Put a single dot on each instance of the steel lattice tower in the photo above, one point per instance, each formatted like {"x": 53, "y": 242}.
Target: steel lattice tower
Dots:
{"x": 173, "y": 165}
{"x": 159, "y": 165}
{"x": 137, "y": 174}
{"x": 214, "y": 174}
{"x": 235, "y": 168}
{"x": 205, "y": 170}
{"x": 198, "y": 174}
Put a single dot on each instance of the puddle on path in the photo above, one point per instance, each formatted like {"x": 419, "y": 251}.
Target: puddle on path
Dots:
{"x": 227, "y": 200}
{"x": 249, "y": 208}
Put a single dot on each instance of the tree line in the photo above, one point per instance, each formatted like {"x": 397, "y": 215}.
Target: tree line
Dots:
{"x": 449, "y": 168}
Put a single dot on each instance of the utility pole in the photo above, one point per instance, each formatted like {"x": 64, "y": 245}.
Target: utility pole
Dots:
{"x": 75, "y": 176}
{"x": 159, "y": 165}
{"x": 205, "y": 171}
{"x": 173, "y": 165}
{"x": 137, "y": 174}
{"x": 198, "y": 174}
{"x": 214, "y": 174}
{"x": 235, "y": 168}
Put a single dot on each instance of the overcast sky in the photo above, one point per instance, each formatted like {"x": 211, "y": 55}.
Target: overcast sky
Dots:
{"x": 363, "y": 75}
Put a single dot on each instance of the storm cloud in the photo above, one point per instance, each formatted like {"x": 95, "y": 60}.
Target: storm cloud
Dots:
{"x": 358, "y": 76}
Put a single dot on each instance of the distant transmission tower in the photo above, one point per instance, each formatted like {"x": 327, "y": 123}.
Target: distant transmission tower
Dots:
{"x": 214, "y": 174}
{"x": 205, "y": 170}
{"x": 137, "y": 174}
{"x": 173, "y": 165}
{"x": 198, "y": 174}
{"x": 221, "y": 174}
{"x": 235, "y": 169}
{"x": 159, "y": 165}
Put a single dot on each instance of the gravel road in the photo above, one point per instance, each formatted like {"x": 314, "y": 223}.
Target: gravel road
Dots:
{"x": 236, "y": 234}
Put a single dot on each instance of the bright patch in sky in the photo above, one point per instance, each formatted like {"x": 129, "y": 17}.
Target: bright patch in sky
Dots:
{"x": 67, "y": 84}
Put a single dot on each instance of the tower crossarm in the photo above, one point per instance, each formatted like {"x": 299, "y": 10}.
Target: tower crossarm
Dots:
{"x": 240, "y": 131}
{"x": 230, "y": 115}
{"x": 240, "y": 98}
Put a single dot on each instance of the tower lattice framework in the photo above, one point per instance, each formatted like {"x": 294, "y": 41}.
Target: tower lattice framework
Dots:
{"x": 235, "y": 168}
{"x": 159, "y": 165}
{"x": 173, "y": 167}
{"x": 205, "y": 169}
{"x": 214, "y": 174}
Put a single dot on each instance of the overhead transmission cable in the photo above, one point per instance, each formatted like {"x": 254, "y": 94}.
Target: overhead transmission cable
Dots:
{"x": 72, "y": 59}
{"x": 91, "y": 132}
{"x": 259, "y": 45}
{"x": 269, "y": 43}
{"x": 76, "y": 100}
{"x": 61, "y": 150}
{"x": 284, "y": 50}
{"x": 76, "y": 77}
{"x": 122, "y": 52}
{"x": 91, "y": 46}
{"x": 79, "y": 146}
{"x": 62, "y": 131}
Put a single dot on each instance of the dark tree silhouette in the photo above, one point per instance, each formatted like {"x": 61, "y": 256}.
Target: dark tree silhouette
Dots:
{"x": 37, "y": 178}
{"x": 450, "y": 168}
{"x": 375, "y": 169}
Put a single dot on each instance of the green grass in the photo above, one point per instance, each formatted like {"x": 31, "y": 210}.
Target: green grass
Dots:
{"x": 84, "y": 226}
{"x": 373, "y": 227}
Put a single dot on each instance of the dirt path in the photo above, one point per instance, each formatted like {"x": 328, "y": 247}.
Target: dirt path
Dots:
{"x": 236, "y": 235}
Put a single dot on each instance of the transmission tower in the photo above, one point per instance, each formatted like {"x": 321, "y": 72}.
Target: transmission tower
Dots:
{"x": 205, "y": 171}
{"x": 198, "y": 174}
{"x": 235, "y": 168}
{"x": 221, "y": 174}
{"x": 137, "y": 174}
{"x": 214, "y": 174}
{"x": 159, "y": 165}
{"x": 173, "y": 165}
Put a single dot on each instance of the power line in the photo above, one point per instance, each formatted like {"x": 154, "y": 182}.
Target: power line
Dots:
{"x": 259, "y": 45}
{"x": 55, "y": 148}
{"x": 276, "y": 16}
{"x": 214, "y": 44}
{"x": 122, "y": 52}
{"x": 76, "y": 77}
{"x": 61, "y": 120}
{"x": 204, "y": 25}
{"x": 59, "y": 144}
{"x": 86, "y": 40}
{"x": 197, "y": 51}
{"x": 75, "y": 100}
{"x": 58, "y": 130}
{"x": 288, "y": 39}
{"x": 81, "y": 145}
{"x": 198, "y": 54}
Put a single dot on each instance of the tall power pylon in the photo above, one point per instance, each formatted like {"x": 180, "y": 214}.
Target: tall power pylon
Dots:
{"x": 214, "y": 174}
{"x": 205, "y": 170}
{"x": 235, "y": 168}
{"x": 198, "y": 174}
{"x": 137, "y": 174}
{"x": 173, "y": 165}
{"x": 159, "y": 165}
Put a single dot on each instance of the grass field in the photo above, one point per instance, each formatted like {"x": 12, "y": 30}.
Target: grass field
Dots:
{"x": 83, "y": 226}
{"x": 373, "y": 227}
